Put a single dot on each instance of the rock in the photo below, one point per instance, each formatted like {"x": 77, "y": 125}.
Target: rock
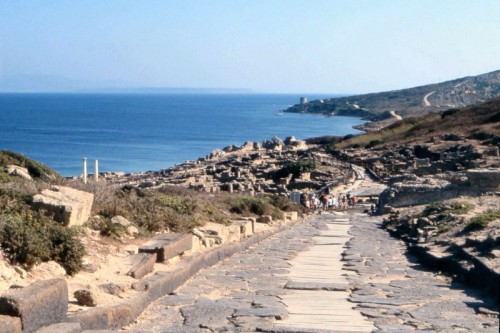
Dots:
{"x": 230, "y": 148}
{"x": 120, "y": 220}
{"x": 90, "y": 267}
{"x": 247, "y": 146}
{"x": 22, "y": 273}
{"x": 216, "y": 153}
{"x": 10, "y": 324}
{"x": 265, "y": 219}
{"x": 424, "y": 222}
{"x": 7, "y": 272}
{"x": 85, "y": 297}
{"x": 131, "y": 249}
{"x": 113, "y": 289}
{"x": 69, "y": 206}
{"x": 48, "y": 270}
{"x": 61, "y": 328}
{"x": 289, "y": 140}
{"x": 15, "y": 170}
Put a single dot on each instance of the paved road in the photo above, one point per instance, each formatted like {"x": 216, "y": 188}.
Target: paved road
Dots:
{"x": 254, "y": 290}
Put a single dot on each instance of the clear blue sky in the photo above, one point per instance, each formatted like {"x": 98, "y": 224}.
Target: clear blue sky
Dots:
{"x": 265, "y": 45}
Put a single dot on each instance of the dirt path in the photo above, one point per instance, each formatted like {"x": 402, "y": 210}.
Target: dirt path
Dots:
{"x": 425, "y": 100}
{"x": 395, "y": 115}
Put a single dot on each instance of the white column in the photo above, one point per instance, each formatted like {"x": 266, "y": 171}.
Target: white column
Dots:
{"x": 85, "y": 170}
{"x": 96, "y": 171}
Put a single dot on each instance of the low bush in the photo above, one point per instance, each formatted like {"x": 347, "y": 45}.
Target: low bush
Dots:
{"x": 254, "y": 205}
{"x": 439, "y": 208}
{"x": 296, "y": 169}
{"x": 181, "y": 205}
{"x": 481, "y": 221}
{"x": 30, "y": 238}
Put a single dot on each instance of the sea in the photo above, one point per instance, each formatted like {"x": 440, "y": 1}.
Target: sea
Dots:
{"x": 137, "y": 133}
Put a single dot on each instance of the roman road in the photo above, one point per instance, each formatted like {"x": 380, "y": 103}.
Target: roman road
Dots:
{"x": 335, "y": 272}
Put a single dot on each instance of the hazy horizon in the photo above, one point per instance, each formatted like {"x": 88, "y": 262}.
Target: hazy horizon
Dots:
{"x": 294, "y": 46}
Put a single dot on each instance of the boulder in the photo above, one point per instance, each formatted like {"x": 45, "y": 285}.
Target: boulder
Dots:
{"x": 69, "y": 206}
{"x": 248, "y": 146}
{"x": 48, "y": 270}
{"x": 120, "y": 220}
{"x": 85, "y": 297}
{"x": 15, "y": 170}
{"x": 132, "y": 231}
{"x": 289, "y": 140}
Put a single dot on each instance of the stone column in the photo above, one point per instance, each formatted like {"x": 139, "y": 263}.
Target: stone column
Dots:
{"x": 96, "y": 171}
{"x": 84, "y": 170}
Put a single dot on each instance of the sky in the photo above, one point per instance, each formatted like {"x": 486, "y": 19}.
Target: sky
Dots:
{"x": 275, "y": 46}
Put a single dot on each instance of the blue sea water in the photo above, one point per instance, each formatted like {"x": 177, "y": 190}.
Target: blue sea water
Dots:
{"x": 132, "y": 133}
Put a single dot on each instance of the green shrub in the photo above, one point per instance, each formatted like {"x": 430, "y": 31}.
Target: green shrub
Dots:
{"x": 481, "y": 221}
{"x": 285, "y": 205}
{"x": 373, "y": 143}
{"x": 296, "y": 169}
{"x": 182, "y": 205}
{"x": 441, "y": 209}
{"x": 106, "y": 227}
{"x": 254, "y": 205}
{"x": 30, "y": 238}
{"x": 214, "y": 214}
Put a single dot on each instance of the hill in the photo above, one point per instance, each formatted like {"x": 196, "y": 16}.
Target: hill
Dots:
{"x": 482, "y": 120}
{"x": 410, "y": 102}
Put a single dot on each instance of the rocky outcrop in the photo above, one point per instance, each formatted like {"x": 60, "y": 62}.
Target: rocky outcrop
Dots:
{"x": 410, "y": 190}
{"x": 69, "y": 206}
{"x": 15, "y": 170}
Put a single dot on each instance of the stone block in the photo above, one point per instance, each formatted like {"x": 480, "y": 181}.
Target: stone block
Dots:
{"x": 246, "y": 227}
{"x": 61, "y": 328}
{"x": 69, "y": 206}
{"x": 113, "y": 317}
{"x": 167, "y": 245}
{"x": 265, "y": 219}
{"x": 144, "y": 265}
{"x": 10, "y": 324}
{"x": 40, "y": 304}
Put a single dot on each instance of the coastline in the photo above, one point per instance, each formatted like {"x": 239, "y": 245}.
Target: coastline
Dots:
{"x": 149, "y": 132}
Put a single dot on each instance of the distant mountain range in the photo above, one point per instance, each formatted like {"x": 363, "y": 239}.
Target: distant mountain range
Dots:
{"x": 410, "y": 102}
{"x": 57, "y": 84}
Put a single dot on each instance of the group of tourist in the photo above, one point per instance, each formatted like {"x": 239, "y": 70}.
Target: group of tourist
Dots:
{"x": 328, "y": 202}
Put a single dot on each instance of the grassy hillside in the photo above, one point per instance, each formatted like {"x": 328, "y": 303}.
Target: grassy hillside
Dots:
{"x": 481, "y": 121}
{"x": 410, "y": 102}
